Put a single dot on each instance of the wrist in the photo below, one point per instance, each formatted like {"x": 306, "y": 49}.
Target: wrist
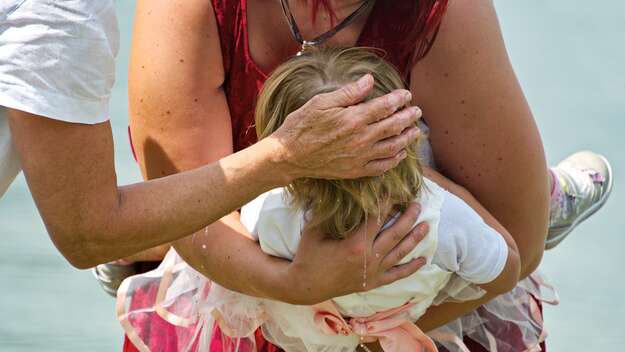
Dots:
{"x": 280, "y": 282}
{"x": 297, "y": 288}
{"x": 277, "y": 161}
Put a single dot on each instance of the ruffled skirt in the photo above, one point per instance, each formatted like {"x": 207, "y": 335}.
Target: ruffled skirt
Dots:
{"x": 176, "y": 309}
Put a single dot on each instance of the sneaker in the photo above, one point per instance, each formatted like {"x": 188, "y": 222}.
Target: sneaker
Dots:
{"x": 585, "y": 180}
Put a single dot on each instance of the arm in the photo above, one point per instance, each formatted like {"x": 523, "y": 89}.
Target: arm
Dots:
{"x": 482, "y": 131}
{"x": 483, "y": 134}
{"x": 441, "y": 314}
{"x": 181, "y": 120}
{"x": 70, "y": 172}
{"x": 509, "y": 276}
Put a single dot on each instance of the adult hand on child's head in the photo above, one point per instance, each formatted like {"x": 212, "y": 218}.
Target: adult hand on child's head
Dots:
{"x": 325, "y": 268}
{"x": 335, "y": 136}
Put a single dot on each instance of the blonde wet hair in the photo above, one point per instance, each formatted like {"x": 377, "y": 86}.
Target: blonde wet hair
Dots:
{"x": 337, "y": 206}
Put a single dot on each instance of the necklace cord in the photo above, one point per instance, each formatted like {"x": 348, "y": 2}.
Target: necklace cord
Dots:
{"x": 320, "y": 39}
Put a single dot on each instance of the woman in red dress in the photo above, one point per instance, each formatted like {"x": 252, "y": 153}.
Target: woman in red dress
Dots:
{"x": 197, "y": 67}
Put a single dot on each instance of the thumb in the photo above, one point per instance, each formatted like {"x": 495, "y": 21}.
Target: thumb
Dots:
{"x": 350, "y": 94}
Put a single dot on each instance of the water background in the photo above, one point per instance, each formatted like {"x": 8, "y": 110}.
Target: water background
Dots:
{"x": 570, "y": 59}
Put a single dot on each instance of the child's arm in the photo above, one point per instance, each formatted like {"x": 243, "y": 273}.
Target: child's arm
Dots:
{"x": 510, "y": 274}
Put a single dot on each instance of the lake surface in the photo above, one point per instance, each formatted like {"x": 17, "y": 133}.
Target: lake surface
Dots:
{"x": 570, "y": 59}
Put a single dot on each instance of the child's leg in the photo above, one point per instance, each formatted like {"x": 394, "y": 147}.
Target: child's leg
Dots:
{"x": 581, "y": 184}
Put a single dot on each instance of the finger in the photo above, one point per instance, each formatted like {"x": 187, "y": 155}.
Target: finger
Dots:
{"x": 405, "y": 246}
{"x": 379, "y": 166}
{"x": 402, "y": 271}
{"x": 394, "y": 124}
{"x": 392, "y": 236}
{"x": 390, "y": 147}
{"x": 350, "y": 94}
{"x": 381, "y": 107}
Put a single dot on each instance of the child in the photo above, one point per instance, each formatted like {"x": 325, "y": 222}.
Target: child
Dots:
{"x": 466, "y": 250}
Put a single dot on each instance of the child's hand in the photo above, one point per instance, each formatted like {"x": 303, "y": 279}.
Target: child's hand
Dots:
{"x": 325, "y": 268}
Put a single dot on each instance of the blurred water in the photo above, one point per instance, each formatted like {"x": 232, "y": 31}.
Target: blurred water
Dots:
{"x": 570, "y": 59}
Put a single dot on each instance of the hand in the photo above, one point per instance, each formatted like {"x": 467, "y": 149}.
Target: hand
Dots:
{"x": 325, "y": 268}
{"x": 330, "y": 137}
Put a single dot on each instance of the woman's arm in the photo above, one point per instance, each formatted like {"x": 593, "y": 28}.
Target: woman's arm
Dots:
{"x": 70, "y": 172}
{"x": 482, "y": 131}
{"x": 180, "y": 119}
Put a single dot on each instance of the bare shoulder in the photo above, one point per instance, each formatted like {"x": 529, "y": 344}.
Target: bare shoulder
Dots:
{"x": 482, "y": 129}
{"x": 180, "y": 35}
{"x": 469, "y": 33}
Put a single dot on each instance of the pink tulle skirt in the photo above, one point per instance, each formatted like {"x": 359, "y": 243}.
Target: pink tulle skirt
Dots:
{"x": 175, "y": 309}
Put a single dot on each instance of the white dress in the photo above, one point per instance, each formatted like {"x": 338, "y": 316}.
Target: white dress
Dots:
{"x": 461, "y": 251}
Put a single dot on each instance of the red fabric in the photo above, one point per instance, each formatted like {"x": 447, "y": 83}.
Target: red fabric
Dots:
{"x": 399, "y": 28}
{"x": 508, "y": 335}
{"x": 165, "y": 337}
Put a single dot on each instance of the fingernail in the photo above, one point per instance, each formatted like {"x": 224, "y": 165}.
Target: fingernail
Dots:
{"x": 403, "y": 154}
{"x": 417, "y": 111}
{"x": 364, "y": 81}
{"x": 407, "y": 96}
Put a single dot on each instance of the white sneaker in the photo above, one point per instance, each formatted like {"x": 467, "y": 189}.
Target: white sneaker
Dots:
{"x": 585, "y": 184}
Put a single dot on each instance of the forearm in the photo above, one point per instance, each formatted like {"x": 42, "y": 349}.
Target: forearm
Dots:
{"x": 225, "y": 253}
{"x": 437, "y": 316}
{"x": 144, "y": 215}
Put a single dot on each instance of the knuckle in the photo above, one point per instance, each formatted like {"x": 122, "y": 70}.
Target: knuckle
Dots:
{"x": 401, "y": 253}
{"x": 389, "y": 130}
{"x": 404, "y": 142}
{"x": 397, "y": 128}
{"x": 375, "y": 171}
{"x": 316, "y": 100}
{"x": 396, "y": 235}
{"x": 390, "y": 149}
{"x": 350, "y": 124}
{"x": 350, "y": 91}
{"x": 387, "y": 105}
{"x": 412, "y": 217}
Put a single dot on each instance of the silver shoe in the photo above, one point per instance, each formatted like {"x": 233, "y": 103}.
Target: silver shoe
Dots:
{"x": 585, "y": 184}
{"x": 111, "y": 275}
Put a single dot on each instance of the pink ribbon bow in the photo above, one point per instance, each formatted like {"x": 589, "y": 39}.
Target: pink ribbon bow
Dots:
{"x": 390, "y": 328}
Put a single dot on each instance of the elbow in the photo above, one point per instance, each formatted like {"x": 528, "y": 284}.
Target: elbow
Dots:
{"x": 79, "y": 256}
{"x": 515, "y": 272}
{"x": 79, "y": 262}
{"x": 78, "y": 248}
{"x": 512, "y": 276}
{"x": 531, "y": 258}
{"x": 508, "y": 278}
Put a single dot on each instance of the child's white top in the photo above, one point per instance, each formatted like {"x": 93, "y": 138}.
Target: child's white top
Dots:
{"x": 458, "y": 242}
